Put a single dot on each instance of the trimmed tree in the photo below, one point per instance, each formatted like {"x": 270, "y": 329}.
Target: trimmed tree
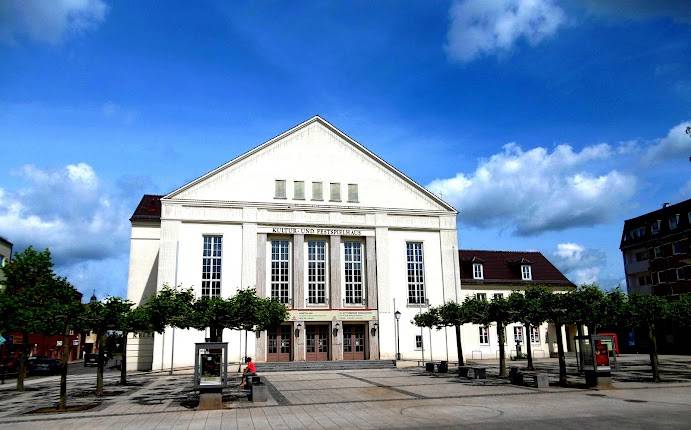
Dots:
{"x": 647, "y": 311}
{"x": 135, "y": 320}
{"x": 428, "y": 319}
{"x": 500, "y": 312}
{"x": 454, "y": 314}
{"x": 527, "y": 309}
{"x": 555, "y": 306}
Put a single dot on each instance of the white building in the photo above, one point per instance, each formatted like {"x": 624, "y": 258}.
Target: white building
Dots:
{"x": 316, "y": 220}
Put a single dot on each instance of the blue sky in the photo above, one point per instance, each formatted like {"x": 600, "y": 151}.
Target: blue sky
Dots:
{"x": 547, "y": 123}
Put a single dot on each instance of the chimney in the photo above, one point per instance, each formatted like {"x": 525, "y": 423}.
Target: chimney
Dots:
{"x": 665, "y": 204}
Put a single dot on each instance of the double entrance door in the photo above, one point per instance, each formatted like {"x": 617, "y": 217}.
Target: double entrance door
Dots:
{"x": 279, "y": 344}
{"x": 353, "y": 342}
{"x": 317, "y": 342}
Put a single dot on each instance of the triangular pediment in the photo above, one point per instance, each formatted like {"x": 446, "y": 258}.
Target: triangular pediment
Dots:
{"x": 313, "y": 151}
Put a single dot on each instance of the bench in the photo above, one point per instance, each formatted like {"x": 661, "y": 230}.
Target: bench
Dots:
{"x": 478, "y": 372}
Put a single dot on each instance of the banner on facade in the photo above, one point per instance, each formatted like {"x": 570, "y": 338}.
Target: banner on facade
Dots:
{"x": 315, "y": 230}
{"x": 332, "y": 315}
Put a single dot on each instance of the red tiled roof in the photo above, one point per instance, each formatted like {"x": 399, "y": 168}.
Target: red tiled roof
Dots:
{"x": 148, "y": 209}
{"x": 504, "y": 267}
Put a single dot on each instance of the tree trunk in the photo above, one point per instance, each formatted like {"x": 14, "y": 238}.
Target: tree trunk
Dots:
{"x": 63, "y": 371}
{"x": 653, "y": 352}
{"x": 24, "y": 361}
{"x": 528, "y": 348}
{"x": 560, "y": 353}
{"x": 501, "y": 335}
{"x": 123, "y": 360}
{"x": 100, "y": 365}
{"x": 459, "y": 346}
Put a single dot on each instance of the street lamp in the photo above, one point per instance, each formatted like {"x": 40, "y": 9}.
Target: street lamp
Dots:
{"x": 397, "y": 314}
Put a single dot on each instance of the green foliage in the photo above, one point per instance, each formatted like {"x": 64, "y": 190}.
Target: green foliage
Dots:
{"x": 170, "y": 307}
{"x": 477, "y": 311}
{"x": 452, "y": 314}
{"x": 648, "y": 309}
{"x": 212, "y": 312}
{"x": 529, "y": 307}
{"x": 680, "y": 311}
{"x": 107, "y": 315}
{"x": 428, "y": 319}
{"x": 499, "y": 310}
{"x": 271, "y": 314}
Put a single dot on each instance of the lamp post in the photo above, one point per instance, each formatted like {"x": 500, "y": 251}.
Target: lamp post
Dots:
{"x": 397, "y": 314}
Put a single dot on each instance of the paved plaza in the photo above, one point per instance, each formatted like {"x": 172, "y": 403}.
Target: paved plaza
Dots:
{"x": 390, "y": 398}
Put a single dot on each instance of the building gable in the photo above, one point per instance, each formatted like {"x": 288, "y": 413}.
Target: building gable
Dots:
{"x": 314, "y": 151}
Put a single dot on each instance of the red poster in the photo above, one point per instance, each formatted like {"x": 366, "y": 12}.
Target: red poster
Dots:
{"x": 601, "y": 354}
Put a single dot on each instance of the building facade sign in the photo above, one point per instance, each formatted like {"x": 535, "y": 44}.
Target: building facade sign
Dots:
{"x": 332, "y": 315}
{"x": 315, "y": 230}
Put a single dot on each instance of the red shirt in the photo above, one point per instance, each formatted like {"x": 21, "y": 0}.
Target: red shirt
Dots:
{"x": 251, "y": 367}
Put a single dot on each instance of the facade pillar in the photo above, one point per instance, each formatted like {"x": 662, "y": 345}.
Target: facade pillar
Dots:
{"x": 260, "y": 346}
{"x": 249, "y": 255}
{"x": 371, "y": 269}
{"x": 261, "y": 266}
{"x": 299, "y": 271}
{"x": 336, "y": 340}
{"x": 335, "y": 273}
{"x": 381, "y": 256}
{"x": 299, "y": 353}
{"x": 373, "y": 337}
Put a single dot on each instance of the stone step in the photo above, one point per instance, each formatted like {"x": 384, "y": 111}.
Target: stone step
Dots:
{"x": 325, "y": 365}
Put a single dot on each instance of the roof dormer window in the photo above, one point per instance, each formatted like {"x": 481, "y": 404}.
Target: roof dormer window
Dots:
{"x": 526, "y": 272}
{"x": 673, "y": 221}
{"x": 477, "y": 271}
{"x": 655, "y": 227}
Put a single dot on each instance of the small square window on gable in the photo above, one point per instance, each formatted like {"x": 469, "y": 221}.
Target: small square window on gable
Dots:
{"x": 352, "y": 193}
{"x": 335, "y": 192}
{"x": 526, "y": 272}
{"x": 280, "y": 189}
{"x": 317, "y": 192}
{"x": 298, "y": 190}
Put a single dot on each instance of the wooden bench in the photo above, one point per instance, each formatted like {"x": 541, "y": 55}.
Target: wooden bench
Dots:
{"x": 478, "y": 372}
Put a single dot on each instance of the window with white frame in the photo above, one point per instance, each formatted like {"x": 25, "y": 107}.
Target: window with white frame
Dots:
{"x": 317, "y": 192}
{"x": 298, "y": 190}
{"x": 517, "y": 334}
{"x": 335, "y": 189}
{"x": 498, "y": 295}
{"x": 526, "y": 272}
{"x": 655, "y": 227}
{"x": 478, "y": 272}
{"x": 280, "y": 270}
{"x": 416, "y": 273}
{"x": 677, "y": 247}
{"x": 418, "y": 341}
{"x": 657, "y": 251}
{"x": 352, "y": 193}
{"x": 352, "y": 256}
{"x": 280, "y": 189}
{"x": 534, "y": 334}
{"x": 316, "y": 272}
{"x": 673, "y": 221}
{"x": 481, "y": 296}
{"x": 211, "y": 266}
{"x": 484, "y": 335}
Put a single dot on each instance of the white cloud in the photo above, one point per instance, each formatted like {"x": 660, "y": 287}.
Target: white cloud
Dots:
{"x": 67, "y": 211}
{"x": 484, "y": 27}
{"x": 676, "y": 145}
{"x": 580, "y": 265}
{"x": 537, "y": 190}
{"x": 48, "y": 21}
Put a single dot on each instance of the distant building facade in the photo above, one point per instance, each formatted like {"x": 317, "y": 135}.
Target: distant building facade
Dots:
{"x": 487, "y": 274}
{"x": 656, "y": 250}
{"x": 5, "y": 255}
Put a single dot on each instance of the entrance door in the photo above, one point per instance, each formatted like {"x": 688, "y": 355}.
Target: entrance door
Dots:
{"x": 317, "y": 342}
{"x": 279, "y": 344}
{"x": 353, "y": 342}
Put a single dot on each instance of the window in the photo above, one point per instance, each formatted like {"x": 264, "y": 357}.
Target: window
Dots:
{"x": 661, "y": 279}
{"x": 672, "y": 275}
{"x": 534, "y": 334}
{"x": 677, "y": 247}
{"x": 517, "y": 334}
{"x": 638, "y": 232}
{"x": 498, "y": 296}
{"x": 641, "y": 255}
{"x": 335, "y": 192}
{"x": 477, "y": 271}
{"x": 484, "y": 335}
{"x": 680, "y": 273}
{"x": 211, "y": 266}
{"x": 316, "y": 272}
{"x": 688, "y": 215}
{"x": 3, "y": 261}
{"x": 657, "y": 252}
{"x": 416, "y": 273}
{"x": 280, "y": 270}
{"x": 481, "y": 296}
{"x": 298, "y": 190}
{"x": 352, "y": 193}
{"x": 644, "y": 280}
{"x": 418, "y": 341}
{"x": 352, "y": 255}
{"x": 317, "y": 193}
{"x": 655, "y": 227}
{"x": 673, "y": 222}
{"x": 526, "y": 272}
{"x": 280, "y": 189}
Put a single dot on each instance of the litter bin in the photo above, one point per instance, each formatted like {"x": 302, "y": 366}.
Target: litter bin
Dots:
{"x": 259, "y": 392}
{"x": 429, "y": 367}
{"x": 443, "y": 367}
{"x": 590, "y": 378}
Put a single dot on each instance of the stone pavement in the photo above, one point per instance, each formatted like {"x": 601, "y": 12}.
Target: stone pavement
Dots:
{"x": 390, "y": 398}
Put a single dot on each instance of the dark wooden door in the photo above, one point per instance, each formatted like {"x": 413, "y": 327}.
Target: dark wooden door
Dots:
{"x": 279, "y": 344}
{"x": 317, "y": 342}
{"x": 353, "y": 342}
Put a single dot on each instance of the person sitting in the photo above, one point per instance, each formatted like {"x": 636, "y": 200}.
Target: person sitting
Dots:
{"x": 249, "y": 371}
